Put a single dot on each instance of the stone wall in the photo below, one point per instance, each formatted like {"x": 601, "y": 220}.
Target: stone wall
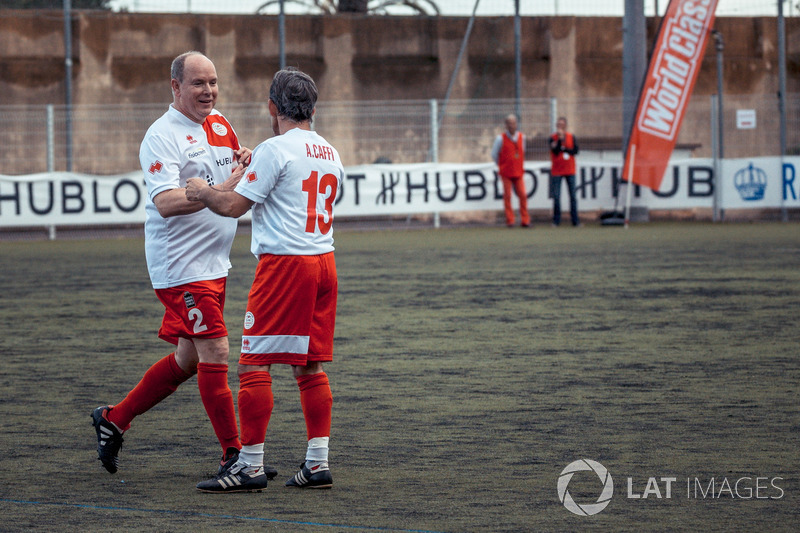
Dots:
{"x": 120, "y": 57}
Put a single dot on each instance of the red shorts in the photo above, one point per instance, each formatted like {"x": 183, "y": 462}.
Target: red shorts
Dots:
{"x": 193, "y": 310}
{"x": 291, "y": 311}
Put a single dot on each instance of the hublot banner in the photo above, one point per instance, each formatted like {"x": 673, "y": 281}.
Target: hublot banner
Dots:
{"x": 64, "y": 198}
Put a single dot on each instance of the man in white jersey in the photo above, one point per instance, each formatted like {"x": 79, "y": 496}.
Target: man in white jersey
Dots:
{"x": 291, "y": 185}
{"x": 187, "y": 249}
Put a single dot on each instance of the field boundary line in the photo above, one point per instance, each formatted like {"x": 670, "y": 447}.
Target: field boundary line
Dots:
{"x": 210, "y": 515}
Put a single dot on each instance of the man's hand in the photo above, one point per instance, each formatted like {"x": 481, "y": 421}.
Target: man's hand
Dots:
{"x": 196, "y": 188}
{"x": 242, "y": 155}
{"x": 225, "y": 202}
{"x": 230, "y": 183}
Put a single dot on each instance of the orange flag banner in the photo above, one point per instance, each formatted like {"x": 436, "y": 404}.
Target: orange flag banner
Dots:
{"x": 671, "y": 75}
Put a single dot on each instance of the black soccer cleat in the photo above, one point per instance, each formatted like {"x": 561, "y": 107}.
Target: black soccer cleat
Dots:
{"x": 271, "y": 472}
{"x": 319, "y": 478}
{"x": 235, "y": 479}
{"x": 228, "y": 459}
{"x": 232, "y": 455}
{"x": 109, "y": 439}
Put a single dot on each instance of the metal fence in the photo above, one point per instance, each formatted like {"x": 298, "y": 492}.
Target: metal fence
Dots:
{"x": 105, "y": 139}
{"x": 459, "y": 8}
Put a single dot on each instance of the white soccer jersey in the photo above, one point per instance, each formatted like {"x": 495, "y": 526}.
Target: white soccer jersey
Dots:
{"x": 293, "y": 179}
{"x": 186, "y": 248}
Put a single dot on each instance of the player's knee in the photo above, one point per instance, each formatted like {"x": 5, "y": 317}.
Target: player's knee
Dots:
{"x": 244, "y": 369}
{"x": 212, "y": 350}
{"x": 314, "y": 367}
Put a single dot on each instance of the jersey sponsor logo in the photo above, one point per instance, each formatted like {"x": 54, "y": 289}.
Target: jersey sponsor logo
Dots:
{"x": 197, "y": 153}
{"x": 188, "y": 299}
{"x": 245, "y": 345}
{"x": 219, "y": 129}
{"x": 249, "y": 320}
{"x": 251, "y": 177}
{"x": 225, "y": 161}
{"x": 155, "y": 167}
{"x": 191, "y": 139}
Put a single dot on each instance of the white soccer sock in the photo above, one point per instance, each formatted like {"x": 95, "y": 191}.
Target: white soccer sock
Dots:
{"x": 317, "y": 452}
{"x": 253, "y": 455}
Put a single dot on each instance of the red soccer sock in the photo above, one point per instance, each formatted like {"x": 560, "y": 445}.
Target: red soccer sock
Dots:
{"x": 255, "y": 406}
{"x": 212, "y": 380}
{"x": 160, "y": 380}
{"x": 317, "y": 402}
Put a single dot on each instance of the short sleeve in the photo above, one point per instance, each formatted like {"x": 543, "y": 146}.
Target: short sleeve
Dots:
{"x": 160, "y": 163}
{"x": 261, "y": 176}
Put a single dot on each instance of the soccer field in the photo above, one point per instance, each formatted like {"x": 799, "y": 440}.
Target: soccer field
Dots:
{"x": 472, "y": 366}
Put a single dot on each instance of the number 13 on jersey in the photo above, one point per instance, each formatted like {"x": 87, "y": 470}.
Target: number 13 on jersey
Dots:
{"x": 325, "y": 186}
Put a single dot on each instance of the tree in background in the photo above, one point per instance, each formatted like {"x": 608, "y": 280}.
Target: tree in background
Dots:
{"x": 372, "y": 7}
{"x": 353, "y": 6}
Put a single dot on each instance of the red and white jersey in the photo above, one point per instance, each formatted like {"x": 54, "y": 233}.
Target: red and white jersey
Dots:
{"x": 187, "y": 248}
{"x": 293, "y": 179}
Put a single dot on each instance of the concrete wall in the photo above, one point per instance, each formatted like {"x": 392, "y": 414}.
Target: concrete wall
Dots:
{"x": 126, "y": 57}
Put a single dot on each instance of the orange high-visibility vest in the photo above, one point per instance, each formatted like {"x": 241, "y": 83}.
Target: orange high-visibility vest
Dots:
{"x": 512, "y": 156}
{"x": 563, "y": 164}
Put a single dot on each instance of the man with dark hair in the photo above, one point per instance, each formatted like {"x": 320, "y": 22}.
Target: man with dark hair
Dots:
{"x": 291, "y": 186}
{"x": 563, "y": 149}
{"x": 187, "y": 249}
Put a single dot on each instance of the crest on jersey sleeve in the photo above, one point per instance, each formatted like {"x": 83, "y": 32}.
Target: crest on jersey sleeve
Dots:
{"x": 219, "y": 132}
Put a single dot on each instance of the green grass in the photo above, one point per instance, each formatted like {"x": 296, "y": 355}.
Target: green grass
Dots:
{"x": 471, "y": 366}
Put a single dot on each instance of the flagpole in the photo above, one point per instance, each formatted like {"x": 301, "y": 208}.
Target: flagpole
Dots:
{"x": 629, "y": 185}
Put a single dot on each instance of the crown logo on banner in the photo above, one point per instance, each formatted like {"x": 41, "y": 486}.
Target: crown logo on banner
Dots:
{"x": 751, "y": 182}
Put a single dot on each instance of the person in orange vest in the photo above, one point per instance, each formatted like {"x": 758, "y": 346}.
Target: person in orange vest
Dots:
{"x": 508, "y": 152}
{"x": 563, "y": 149}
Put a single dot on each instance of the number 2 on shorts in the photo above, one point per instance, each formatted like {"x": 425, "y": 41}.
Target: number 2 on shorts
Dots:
{"x": 197, "y": 315}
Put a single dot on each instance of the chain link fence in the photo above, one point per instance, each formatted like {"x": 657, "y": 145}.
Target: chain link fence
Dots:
{"x": 104, "y": 139}
{"x": 459, "y": 8}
